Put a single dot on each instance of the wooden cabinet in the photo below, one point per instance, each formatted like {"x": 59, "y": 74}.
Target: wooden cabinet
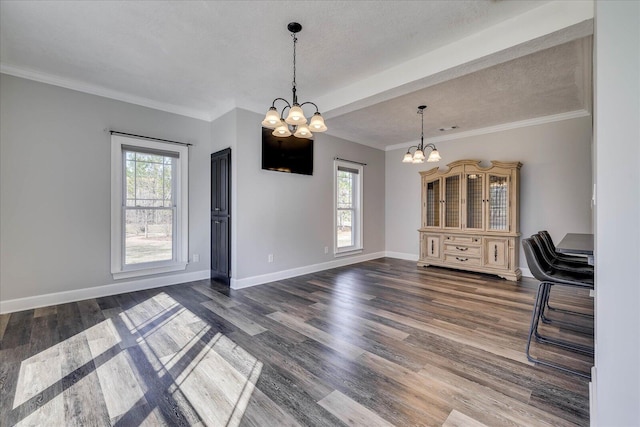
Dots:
{"x": 469, "y": 217}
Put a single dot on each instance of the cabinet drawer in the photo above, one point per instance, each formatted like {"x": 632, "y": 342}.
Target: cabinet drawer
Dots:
{"x": 461, "y": 259}
{"x": 462, "y": 250}
{"x": 473, "y": 240}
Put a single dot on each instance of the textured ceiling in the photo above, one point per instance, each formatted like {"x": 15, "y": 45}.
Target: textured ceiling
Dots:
{"x": 203, "y": 58}
{"x": 549, "y": 82}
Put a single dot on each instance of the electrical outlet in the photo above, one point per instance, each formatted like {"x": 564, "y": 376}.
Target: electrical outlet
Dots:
{"x": 326, "y": 249}
{"x": 270, "y": 258}
{"x": 196, "y": 258}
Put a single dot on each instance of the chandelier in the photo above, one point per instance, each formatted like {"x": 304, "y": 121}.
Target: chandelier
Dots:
{"x": 418, "y": 154}
{"x": 296, "y": 122}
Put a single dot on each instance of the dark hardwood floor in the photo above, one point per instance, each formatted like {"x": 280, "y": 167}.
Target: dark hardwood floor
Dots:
{"x": 377, "y": 343}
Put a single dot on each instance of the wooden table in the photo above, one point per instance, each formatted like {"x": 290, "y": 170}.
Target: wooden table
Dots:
{"x": 577, "y": 243}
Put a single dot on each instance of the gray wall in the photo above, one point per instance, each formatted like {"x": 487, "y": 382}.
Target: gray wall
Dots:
{"x": 617, "y": 130}
{"x": 555, "y": 185}
{"x": 290, "y": 215}
{"x": 55, "y": 184}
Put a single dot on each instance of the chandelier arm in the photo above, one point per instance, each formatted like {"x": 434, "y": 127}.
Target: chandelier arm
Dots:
{"x": 283, "y": 110}
{"x": 309, "y": 102}
{"x": 430, "y": 145}
{"x": 273, "y": 104}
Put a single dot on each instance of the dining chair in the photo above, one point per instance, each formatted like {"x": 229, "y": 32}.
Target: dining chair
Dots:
{"x": 561, "y": 263}
{"x": 549, "y": 276}
{"x": 565, "y": 265}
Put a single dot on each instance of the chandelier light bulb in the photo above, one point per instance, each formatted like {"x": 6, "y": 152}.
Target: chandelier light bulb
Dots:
{"x": 302, "y": 131}
{"x": 282, "y": 130}
{"x": 271, "y": 119}
{"x": 317, "y": 123}
{"x": 434, "y": 156}
{"x": 296, "y": 116}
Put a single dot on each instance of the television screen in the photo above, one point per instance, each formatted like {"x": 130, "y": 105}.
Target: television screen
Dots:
{"x": 286, "y": 154}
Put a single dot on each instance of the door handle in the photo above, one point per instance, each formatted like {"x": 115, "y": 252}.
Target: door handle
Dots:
{"x": 216, "y": 209}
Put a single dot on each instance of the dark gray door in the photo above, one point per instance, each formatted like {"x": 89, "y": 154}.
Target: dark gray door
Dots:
{"x": 221, "y": 215}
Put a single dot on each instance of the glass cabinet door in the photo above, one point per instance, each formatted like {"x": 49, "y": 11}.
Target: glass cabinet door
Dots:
{"x": 498, "y": 202}
{"x": 474, "y": 201}
{"x": 452, "y": 201}
{"x": 432, "y": 204}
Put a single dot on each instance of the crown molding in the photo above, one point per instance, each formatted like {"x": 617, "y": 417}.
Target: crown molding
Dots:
{"x": 101, "y": 91}
{"x": 493, "y": 129}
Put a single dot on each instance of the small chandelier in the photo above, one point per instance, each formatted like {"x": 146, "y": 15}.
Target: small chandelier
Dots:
{"x": 418, "y": 155}
{"x": 296, "y": 122}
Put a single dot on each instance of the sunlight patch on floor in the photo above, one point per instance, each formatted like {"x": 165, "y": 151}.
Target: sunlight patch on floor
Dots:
{"x": 212, "y": 374}
{"x": 206, "y": 373}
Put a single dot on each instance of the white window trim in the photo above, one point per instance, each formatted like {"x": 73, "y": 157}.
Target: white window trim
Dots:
{"x": 118, "y": 270}
{"x": 358, "y": 246}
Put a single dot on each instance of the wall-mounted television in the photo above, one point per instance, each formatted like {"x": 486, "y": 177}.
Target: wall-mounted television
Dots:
{"x": 286, "y": 154}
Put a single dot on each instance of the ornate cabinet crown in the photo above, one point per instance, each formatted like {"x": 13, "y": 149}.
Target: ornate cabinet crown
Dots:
{"x": 470, "y": 217}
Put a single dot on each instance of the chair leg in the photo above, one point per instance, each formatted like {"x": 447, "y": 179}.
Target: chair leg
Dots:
{"x": 548, "y": 307}
{"x": 561, "y": 323}
{"x": 535, "y": 317}
{"x": 543, "y": 290}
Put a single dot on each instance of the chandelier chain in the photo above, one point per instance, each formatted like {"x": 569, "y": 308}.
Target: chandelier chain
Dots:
{"x": 295, "y": 40}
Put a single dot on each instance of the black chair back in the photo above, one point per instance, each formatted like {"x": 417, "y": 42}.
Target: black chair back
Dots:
{"x": 547, "y": 240}
{"x": 546, "y": 272}
{"x": 551, "y": 247}
{"x": 536, "y": 262}
{"x": 559, "y": 263}
{"x": 549, "y": 256}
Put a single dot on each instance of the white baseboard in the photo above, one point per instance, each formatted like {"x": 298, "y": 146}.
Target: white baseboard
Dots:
{"x": 28, "y": 303}
{"x": 299, "y": 271}
{"x": 401, "y": 255}
{"x": 592, "y": 398}
{"x": 526, "y": 272}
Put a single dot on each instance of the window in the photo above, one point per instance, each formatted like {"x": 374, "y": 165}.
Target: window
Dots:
{"x": 348, "y": 207}
{"x": 149, "y": 207}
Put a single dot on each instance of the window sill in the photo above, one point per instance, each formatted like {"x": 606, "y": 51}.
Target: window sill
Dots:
{"x": 348, "y": 252}
{"x": 148, "y": 271}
